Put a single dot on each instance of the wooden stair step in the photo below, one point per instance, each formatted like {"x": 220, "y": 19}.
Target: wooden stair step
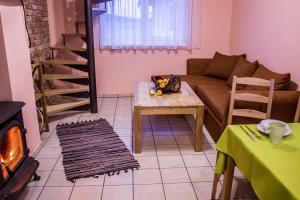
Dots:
{"x": 68, "y": 48}
{"x": 63, "y": 76}
{"x": 52, "y": 92}
{"x": 52, "y": 109}
{"x": 74, "y": 35}
{"x": 64, "y": 62}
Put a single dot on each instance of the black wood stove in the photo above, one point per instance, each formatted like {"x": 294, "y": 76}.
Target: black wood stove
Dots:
{"x": 17, "y": 167}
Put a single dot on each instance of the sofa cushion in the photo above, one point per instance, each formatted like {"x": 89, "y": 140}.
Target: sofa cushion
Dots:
{"x": 243, "y": 68}
{"x": 221, "y": 65}
{"x": 196, "y": 66}
{"x": 282, "y": 81}
{"x": 215, "y": 98}
{"x": 194, "y": 80}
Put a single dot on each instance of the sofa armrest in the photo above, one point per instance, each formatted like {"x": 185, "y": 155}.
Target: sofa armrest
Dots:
{"x": 196, "y": 66}
{"x": 284, "y": 104}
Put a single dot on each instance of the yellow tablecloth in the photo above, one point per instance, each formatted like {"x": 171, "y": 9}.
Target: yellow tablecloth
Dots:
{"x": 273, "y": 170}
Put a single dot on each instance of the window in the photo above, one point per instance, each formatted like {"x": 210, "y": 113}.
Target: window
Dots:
{"x": 146, "y": 24}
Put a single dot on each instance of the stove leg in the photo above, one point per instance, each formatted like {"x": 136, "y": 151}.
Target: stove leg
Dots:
{"x": 36, "y": 177}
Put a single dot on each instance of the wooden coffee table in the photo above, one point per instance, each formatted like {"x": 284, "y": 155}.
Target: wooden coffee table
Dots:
{"x": 184, "y": 102}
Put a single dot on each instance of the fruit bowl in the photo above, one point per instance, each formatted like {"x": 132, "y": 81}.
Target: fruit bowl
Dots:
{"x": 168, "y": 84}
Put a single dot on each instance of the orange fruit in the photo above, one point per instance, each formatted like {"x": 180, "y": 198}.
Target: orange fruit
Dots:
{"x": 162, "y": 85}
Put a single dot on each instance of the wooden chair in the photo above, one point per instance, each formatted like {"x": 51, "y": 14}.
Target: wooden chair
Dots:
{"x": 297, "y": 116}
{"x": 37, "y": 74}
{"x": 249, "y": 97}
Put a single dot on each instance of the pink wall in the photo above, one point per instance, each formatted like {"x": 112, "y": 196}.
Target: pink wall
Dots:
{"x": 117, "y": 72}
{"x": 269, "y": 31}
{"x": 5, "y": 92}
{"x": 15, "y": 64}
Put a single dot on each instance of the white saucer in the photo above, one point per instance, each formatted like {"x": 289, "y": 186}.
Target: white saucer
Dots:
{"x": 266, "y": 122}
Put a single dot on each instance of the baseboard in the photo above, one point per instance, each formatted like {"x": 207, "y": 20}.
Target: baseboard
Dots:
{"x": 114, "y": 95}
{"x": 36, "y": 150}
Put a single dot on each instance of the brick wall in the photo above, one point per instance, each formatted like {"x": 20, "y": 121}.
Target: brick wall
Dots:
{"x": 36, "y": 15}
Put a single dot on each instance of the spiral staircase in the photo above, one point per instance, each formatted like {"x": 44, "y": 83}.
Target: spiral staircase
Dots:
{"x": 82, "y": 93}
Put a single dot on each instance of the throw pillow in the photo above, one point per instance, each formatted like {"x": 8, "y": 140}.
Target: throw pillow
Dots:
{"x": 282, "y": 81}
{"x": 243, "y": 68}
{"x": 221, "y": 65}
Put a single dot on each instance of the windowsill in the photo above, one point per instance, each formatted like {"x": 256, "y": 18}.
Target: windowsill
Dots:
{"x": 147, "y": 49}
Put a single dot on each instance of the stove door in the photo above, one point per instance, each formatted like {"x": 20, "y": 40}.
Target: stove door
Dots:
{"x": 11, "y": 148}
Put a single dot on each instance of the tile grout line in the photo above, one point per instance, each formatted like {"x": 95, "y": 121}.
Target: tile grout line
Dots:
{"x": 132, "y": 146}
{"x": 51, "y": 171}
{"x": 44, "y": 143}
{"x": 78, "y": 120}
{"x": 48, "y": 177}
{"x": 157, "y": 159}
{"x": 119, "y": 136}
{"x": 43, "y": 187}
{"x": 205, "y": 154}
{"x": 131, "y": 142}
{"x": 113, "y": 124}
{"x": 75, "y": 180}
{"x": 102, "y": 190}
{"x": 183, "y": 159}
{"x": 91, "y": 185}
{"x": 98, "y": 113}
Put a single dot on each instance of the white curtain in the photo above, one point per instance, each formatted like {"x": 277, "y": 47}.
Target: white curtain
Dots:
{"x": 147, "y": 24}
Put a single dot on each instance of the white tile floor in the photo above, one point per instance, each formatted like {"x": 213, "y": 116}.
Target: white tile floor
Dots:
{"x": 170, "y": 169}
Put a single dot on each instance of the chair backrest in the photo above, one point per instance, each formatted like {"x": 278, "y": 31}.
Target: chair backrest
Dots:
{"x": 250, "y": 97}
{"x": 297, "y": 116}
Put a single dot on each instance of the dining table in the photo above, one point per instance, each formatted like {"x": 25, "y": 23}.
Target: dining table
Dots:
{"x": 272, "y": 169}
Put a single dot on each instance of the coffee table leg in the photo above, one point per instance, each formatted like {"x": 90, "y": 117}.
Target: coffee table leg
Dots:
{"x": 198, "y": 131}
{"x": 137, "y": 129}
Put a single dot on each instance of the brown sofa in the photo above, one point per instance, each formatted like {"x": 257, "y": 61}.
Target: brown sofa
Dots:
{"x": 215, "y": 94}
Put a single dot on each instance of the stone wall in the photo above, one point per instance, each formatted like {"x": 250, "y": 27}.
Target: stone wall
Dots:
{"x": 36, "y": 14}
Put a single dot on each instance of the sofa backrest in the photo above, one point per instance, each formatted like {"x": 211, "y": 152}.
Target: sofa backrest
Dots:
{"x": 196, "y": 66}
{"x": 293, "y": 86}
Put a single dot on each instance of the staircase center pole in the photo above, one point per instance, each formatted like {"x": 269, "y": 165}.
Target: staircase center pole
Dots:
{"x": 90, "y": 55}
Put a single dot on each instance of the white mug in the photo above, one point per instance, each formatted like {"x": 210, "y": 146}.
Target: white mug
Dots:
{"x": 276, "y": 132}
{"x": 266, "y": 125}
